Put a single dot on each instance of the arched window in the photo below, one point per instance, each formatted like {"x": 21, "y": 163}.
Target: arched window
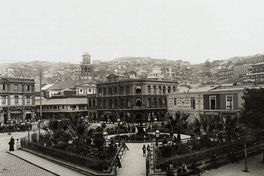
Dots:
{"x": 127, "y": 90}
{"x": 160, "y": 102}
{"x": 121, "y": 103}
{"x": 121, "y": 90}
{"x": 169, "y": 89}
{"x": 149, "y": 102}
{"x": 149, "y": 89}
{"x": 160, "y": 90}
{"x": 155, "y": 102}
{"x": 138, "y": 102}
{"x": 104, "y": 91}
{"x": 110, "y": 91}
{"x": 138, "y": 90}
{"x": 115, "y": 90}
{"x": 115, "y": 103}
{"x": 110, "y": 103}
{"x": 100, "y": 92}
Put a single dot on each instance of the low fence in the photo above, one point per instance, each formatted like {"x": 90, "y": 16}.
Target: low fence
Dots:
{"x": 204, "y": 158}
{"x": 106, "y": 167}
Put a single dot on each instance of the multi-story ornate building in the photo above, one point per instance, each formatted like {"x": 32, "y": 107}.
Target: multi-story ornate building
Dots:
{"x": 256, "y": 75}
{"x": 225, "y": 75}
{"x": 17, "y": 99}
{"x": 213, "y": 102}
{"x": 134, "y": 100}
{"x": 63, "y": 106}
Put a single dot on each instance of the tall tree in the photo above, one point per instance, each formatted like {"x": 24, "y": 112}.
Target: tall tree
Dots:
{"x": 253, "y": 109}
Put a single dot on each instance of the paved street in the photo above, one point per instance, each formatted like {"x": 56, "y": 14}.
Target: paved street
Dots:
{"x": 255, "y": 167}
{"x": 133, "y": 162}
{"x": 13, "y": 166}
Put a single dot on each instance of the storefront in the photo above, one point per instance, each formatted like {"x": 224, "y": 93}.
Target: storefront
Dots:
{"x": 19, "y": 114}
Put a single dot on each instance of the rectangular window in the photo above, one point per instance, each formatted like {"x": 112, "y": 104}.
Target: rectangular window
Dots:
{"x": 169, "y": 90}
{"x": 149, "y": 90}
{"x": 27, "y": 88}
{"x": 212, "y": 102}
{"x": 127, "y": 90}
{"x": 149, "y": 102}
{"x": 175, "y": 101}
{"x": 3, "y": 87}
{"x": 229, "y": 102}
{"x": 192, "y": 102}
{"x": 3, "y": 100}
{"x": 90, "y": 103}
{"x": 15, "y": 87}
{"x": 16, "y": 99}
{"x": 121, "y": 90}
{"x": 28, "y": 100}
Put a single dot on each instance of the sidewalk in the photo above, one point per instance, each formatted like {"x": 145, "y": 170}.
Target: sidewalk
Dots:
{"x": 255, "y": 167}
{"x": 45, "y": 164}
{"x": 133, "y": 162}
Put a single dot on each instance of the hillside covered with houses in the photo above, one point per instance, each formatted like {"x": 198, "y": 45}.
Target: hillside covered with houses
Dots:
{"x": 232, "y": 70}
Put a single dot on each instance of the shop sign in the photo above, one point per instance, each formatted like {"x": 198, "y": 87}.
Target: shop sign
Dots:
{"x": 211, "y": 113}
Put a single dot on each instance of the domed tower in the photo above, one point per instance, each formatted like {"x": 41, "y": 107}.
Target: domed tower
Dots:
{"x": 86, "y": 67}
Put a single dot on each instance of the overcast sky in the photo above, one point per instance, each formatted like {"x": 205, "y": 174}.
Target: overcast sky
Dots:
{"x": 192, "y": 30}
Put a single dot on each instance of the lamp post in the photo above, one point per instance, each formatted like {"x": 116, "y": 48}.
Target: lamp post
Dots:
{"x": 105, "y": 138}
{"x": 38, "y": 129}
{"x": 149, "y": 121}
{"x": 157, "y": 133}
{"x": 245, "y": 148}
{"x": 118, "y": 128}
{"x": 27, "y": 125}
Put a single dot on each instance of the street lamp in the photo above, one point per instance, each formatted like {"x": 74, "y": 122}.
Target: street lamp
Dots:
{"x": 157, "y": 133}
{"x": 105, "y": 138}
{"x": 118, "y": 128}
{"x": 28, "y": 126}
{"x": 149, "y": 121}
{"x": 38, "y": 130}
{"x": 245, "y": 148}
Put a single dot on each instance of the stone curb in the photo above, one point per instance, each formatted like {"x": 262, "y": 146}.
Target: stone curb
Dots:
{"x": 32, "y": 163}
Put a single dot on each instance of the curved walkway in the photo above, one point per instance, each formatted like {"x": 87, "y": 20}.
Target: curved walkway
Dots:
{"x": 133, "y": 162}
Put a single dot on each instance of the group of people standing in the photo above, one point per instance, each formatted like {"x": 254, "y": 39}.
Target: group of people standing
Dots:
{"x": 144, "y": 149}
{"x": 11, "y": 144}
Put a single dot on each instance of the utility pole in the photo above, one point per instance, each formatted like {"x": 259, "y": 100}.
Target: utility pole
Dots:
{"x": 40, "y": 94}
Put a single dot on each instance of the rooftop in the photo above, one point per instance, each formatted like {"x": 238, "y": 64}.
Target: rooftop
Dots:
{"x": 62, "y": 101}
{"x": 69, "y": 84}
{"x": 10, "y": 79}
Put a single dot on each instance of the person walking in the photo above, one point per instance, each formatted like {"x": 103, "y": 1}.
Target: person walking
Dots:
{"x": 18, "y": 144}
{"x": 148, "y": 148}
{"x": 11, "y": 144}
{"x": 124, "y": 145}
{"x": 144, "y": 150}
{"x": 118, "y": 162}
{"x": 184, "y": 168}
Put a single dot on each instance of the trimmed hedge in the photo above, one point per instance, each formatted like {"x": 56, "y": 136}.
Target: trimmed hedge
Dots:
{"x": 91, "y": 163}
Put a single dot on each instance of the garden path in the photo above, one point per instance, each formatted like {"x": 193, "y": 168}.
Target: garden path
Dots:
{"x": 133, "y": 162}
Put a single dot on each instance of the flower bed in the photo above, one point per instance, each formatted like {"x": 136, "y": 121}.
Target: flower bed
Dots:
{"x": 90, "y": 162}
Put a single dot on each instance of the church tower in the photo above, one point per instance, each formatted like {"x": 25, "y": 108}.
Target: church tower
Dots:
{"x": 86, "y": 67}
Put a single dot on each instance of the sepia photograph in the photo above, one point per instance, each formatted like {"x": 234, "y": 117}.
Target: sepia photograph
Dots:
{"x": 131, "y": 88}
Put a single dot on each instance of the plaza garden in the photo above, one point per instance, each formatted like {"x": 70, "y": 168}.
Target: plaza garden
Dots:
{"x": 193, "y": 141}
